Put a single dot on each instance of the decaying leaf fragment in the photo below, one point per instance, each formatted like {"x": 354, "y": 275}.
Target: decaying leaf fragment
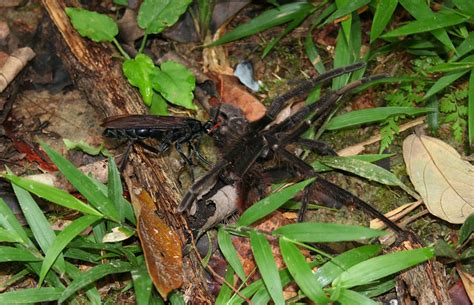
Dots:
{"x": 441, "y": 177}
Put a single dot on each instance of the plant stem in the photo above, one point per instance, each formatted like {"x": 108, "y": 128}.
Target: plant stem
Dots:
{"x": 142, "y": 45}
{"x": 121, "y": 50}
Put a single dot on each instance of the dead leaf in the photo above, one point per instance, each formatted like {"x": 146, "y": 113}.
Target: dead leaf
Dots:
{"x": 441, "y": 177}
{"x": 395, "y": 215}
{"x": 161, "y": 247}
{"x": 468, "y": 282}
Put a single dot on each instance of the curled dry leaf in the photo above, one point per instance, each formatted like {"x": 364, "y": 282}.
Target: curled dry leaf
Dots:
{"x": 441, "y": 177}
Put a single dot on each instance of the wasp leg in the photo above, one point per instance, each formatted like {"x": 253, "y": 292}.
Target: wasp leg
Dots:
{"x": 124, "y": 160}
{"x": 185, "y": 160}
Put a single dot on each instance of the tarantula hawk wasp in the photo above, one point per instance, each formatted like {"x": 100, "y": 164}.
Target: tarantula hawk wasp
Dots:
{"x": 261, "y": 138}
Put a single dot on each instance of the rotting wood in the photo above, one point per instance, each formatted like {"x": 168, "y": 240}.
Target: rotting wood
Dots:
{"x": 100, "y": 78}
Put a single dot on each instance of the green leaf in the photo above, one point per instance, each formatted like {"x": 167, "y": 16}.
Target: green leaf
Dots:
{"x": 466, "y": 229}
{"x": 175, "y": 83}
{"x": 9, "y": 237}
{"x": 443, "y": 82}
{"x": 319, "y": 232}
{"x": 269, "y": 204}
{"x": 344, "y": 10}
{"x": 435, "y": 21}
{"x": 142, "y": 284}
{"x": 312, "y": 53}
{"x": 31, "y": 295}
{"x": 94, "y": 274}
{"x": 382, "y": 266}
{"x": 226, "y": 292}
{"x": 301, "y": 272}
{"x": 267, "y": 267}
{"x": 465, "y": 47}
{"x": 114, "y": 188}
{"x": 350, "y": 297}
{"x": 52, "y": 194}
{"x": 343, "y": 57}
{"x": 92, "y": 25}
{"x": 367, "y": 170}
{"x": 62, "y": 240}
{"x": 466, "y": 6}
{"x": 269, "y": 19}
{"x": 320, "y": 167}
{"x": 11, "y": 254}
{"x": 87, "y": 148}
{"x": 139, "y": 72}
{"x": 156, "y": 15}
{"x": 372, "y": 115}
{"x": 421, "y": 10}
{"x": 470, "y": 110}
{"x": 332, "y": 269}
{"x": 383, "y": 14}
{"x": 83, "y": 184}
{"x": 38, "y": 223}
{"x": 451, "y": 67}
{"x": 158, "y": 105}
{"x": 229, "y": 252}
{"x": 12, "y": 225}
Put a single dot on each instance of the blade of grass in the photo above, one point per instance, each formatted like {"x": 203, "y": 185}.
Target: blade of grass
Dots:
{"x": 443, "y": 82}
{"x": 465, "y": 47}
{"x": 31, "y": 295}
{"x": 9, "y": 237}
{"x": 11, "y": 254}
{"x": 270, "y": 18}
{"x": 115, "y": 190}
{"x": 267, "y": 267}
{"x": 52, "y": 194}
{"x": 271, "y": 203}
{"x": 470, "y": 111}
{"x": 62, "y": 240}
{"x": 372, "y": 115}
{"x": 383, "y": 14}
{"x": 92, "y": 292}
{"x": 300, "y": 271}
{"x": 350, "y": 297}
{"x": 142, "y": 283}
{"x": 83, "y": 184}
{"x": 382, "y": 266}
{"x": 344, "y": 10}
{"x": 466, "y": 229}
{"x": 94, "y": 274}
{"x": 332, "y": 269}
{"x": 38, "y": 223}
{"x": 312, "y": 53}
{"x": 13, "y": 226}
{"x": 318, "y": 232}
{"x": 229, "y": 252}
{"x": 225, "y": 293}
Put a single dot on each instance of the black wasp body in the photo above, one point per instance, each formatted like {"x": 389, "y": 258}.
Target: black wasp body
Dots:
{"x": 167, "y": 130}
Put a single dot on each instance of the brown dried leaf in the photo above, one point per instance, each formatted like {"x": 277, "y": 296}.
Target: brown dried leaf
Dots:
{"x": 441, "y": 177}
{"x": 468, "y": 282}
{"x": 161, "y": 247}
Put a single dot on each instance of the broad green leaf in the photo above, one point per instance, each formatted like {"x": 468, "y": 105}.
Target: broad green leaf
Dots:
{"x": 31, "y": 295}
{"x": 267, "y": 267}
{"x": 11, "y": 254}
{"x": 269, "y": 19}
{"x": 377, "y": 288}
{"x": 38, "y": 223}
{"x": 226, "y": 292}
{"x": 271, "y": 203}
{"x": 470, "y": 110}
{"x": 12, "y": 225}
{"x": 139, "y": 72}
{"x": 372, "y": 115}
{"x": 382, "y": 266}
{"x": 158, "y": 105}
{"x": 156, "y": 15}
{"x": 344, "y": 10}
{"x": 175, "y": 83}
{"x": 332, "y": 269}
{"x": 92, "y": 25}
{"x": 87, "y": 148}
{"x": 94, "y": 274}
{"x": 383, "y": 14}
{"x": 367, "y": 170}
{"x": 350, "y": 297}
{"x": 227, "y": 248}
{"x": 62, "y": 240}
{"x": 52, "y": 194}
{"x": 83, "y": 184}
{"x": 466, "y": 229}
{"x": 9, "y": 236}
{"x": 176, "y": 298}
{"x": 436, "y": 21}
{"x": 466, "y": 6}
{"x": 142, "y": 284}
{"x": 301, "y": 272}
{"x": 318, "y": 232}
{"x": 343, "y": 57}
{"x": 114, "y": 188}
{"x": 421, "y": 10}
